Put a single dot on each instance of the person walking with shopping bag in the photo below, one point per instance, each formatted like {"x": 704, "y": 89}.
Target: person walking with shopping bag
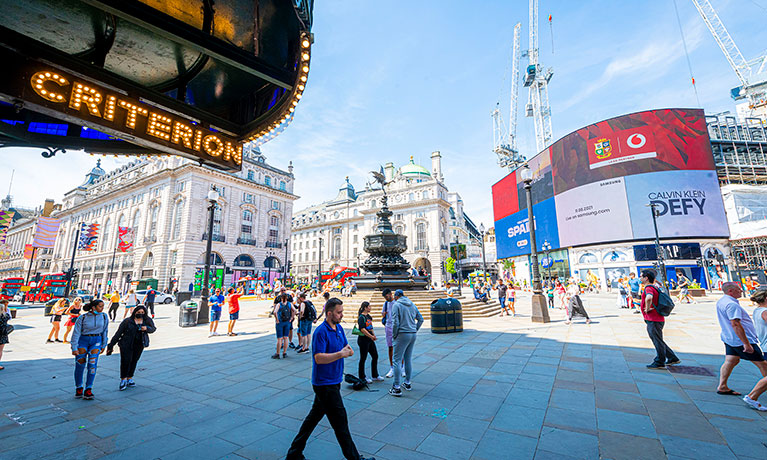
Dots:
{"x": 132, "y": 337}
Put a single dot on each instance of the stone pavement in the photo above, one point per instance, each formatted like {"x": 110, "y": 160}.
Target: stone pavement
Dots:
{"x": 504, "y": 388}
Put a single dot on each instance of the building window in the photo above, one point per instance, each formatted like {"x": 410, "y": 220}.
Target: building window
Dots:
{"x": 136, "y": 222}
{"x": 274, "y": 221}
{"x": 399, "y": 229}
{"x": 275, "y": 205}
{"x": 107, "y": 232}
{"x": 153, "y": 215}
{"x": 354, "y": 239}
{"x": 178, "y": 210}
{"x": 247, "y": 223}
{"x": 268, "y": 181}
{"x": 314, "y": 255}
{"x": 337, "y": 247}
{"x": 247, "y": 198}
{"x": 173, "y": 257}
{"x": 282, "y": 185}
{"x": 274, "y": 236}
{"x": 420, "y": 232}
{"x": 250, "y": 174}
{"x": 411, "y": 197}
{"x": 355, "y": 252}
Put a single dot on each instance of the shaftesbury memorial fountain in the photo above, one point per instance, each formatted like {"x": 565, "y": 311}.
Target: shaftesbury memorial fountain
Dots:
{"x": 385, "y": 266}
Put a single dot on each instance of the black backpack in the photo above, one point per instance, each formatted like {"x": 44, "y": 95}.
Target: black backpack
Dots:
{"x": 310, "y": 313}
{"x": 284, "y": 312}
{"x": 356, "y": 383}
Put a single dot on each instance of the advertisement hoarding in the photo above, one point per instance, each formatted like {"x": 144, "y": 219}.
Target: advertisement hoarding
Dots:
{"x": 603, "y": 177}
{"x": 512, "y": 233}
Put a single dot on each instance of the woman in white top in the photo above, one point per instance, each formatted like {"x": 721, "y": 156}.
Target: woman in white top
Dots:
{"x": 760, "y": 318}
{"x": 130, "y": 303}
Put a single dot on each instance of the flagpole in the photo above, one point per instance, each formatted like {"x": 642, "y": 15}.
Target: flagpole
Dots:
{"x": 31, "y": 261}
{"x": 114, "y": 253}
{"x": 72, "y": 264}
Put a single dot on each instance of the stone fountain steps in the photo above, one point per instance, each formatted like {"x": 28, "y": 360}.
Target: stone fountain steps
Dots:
{"x": 471, "y": 308}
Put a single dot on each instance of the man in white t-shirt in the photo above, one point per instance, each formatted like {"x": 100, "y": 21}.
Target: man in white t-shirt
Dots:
{"x": 760, "y": 318}
{"x": 740, "y": 341}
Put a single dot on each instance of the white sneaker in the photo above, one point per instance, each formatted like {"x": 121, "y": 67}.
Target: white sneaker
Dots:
{"x": 378, "y": 379}
{"x": 211, "y": 335}
{"x": 754, "y": 404}
{"x": 368, "y": 380}
{"x": 390, "y": 374}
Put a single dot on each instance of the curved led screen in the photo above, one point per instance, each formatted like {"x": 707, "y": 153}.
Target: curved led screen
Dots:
{"x": 595, "y": 185}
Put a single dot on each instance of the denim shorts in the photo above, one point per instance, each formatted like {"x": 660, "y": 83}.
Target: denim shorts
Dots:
{"x": 235, "y": 315}
{"x": 282, "y": 329}
{"x": 304, "y": 327}
{"x": 215, "y": 315}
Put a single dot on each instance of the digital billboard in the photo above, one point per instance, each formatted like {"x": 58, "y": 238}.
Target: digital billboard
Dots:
{"x": 602, "y": 178}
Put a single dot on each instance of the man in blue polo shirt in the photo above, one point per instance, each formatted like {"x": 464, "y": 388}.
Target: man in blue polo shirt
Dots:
{"x": 329, "y": 348}
{"x": 634, "y": 285}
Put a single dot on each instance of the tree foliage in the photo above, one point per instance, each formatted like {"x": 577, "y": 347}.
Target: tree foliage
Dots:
{"x": 450, "y": 265}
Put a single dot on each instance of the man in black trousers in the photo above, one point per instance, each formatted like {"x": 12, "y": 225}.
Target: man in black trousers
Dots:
{"x": 329, "y": 348}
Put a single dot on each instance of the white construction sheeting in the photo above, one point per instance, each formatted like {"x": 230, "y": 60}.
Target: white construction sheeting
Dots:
{"x": 746, "y": 207}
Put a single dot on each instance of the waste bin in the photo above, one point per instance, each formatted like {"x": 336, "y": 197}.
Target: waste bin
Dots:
{"x": 446, "y": 316}
{"x": 183, "y": 296}
{"x": 187, "y": 314}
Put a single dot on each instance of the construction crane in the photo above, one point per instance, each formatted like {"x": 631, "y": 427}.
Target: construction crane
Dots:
{"x": 505, "y": 143}
{"x": 537, "y": 80}
{"x": 753, "y": 81}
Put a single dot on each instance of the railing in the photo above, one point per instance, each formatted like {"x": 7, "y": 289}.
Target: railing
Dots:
{"x": 98, "y": 267}
{"x": 128, "y": 264}
{"x": 215, "y": 237}
{"x": 247, "y": 241}
{"x": 273, "y": 244}
{"x": 150, "y": 239}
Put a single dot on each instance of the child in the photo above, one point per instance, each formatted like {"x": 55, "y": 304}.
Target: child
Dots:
{"x": 550, "y": 295}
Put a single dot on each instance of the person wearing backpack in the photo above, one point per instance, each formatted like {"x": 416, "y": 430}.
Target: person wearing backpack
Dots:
{"x": 655, "y": 322}
{"x": 306, "y": 315}
{"x": 283, "y": 317}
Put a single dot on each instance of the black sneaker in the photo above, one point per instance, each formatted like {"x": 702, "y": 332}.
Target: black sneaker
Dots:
{"x": 276, "y": 356}
{"x": 58, "y": 341}
{"x": 395, "y": 392}
{"x": 79, "y": 393}
{"x": 656, "y": 366}
{"x": 671, "y": 363}
{"x": 407, "y": 386}
{"x": 88, "y": 394}
{"x": 131, "y": 383}
{"x": 290, "y": 345}
{"x": 284, "y": 355}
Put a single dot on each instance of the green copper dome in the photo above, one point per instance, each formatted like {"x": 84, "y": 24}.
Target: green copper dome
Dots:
{"x": 413, "y": 170}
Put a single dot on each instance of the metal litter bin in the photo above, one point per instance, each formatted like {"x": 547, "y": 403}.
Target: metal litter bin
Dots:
{"x": 183, "y": 296}
{"x": 187, "y": 314}
{"x": 446, "y": 316}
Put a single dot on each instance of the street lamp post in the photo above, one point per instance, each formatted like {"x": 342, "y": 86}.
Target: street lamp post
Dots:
{"x": 202, "y": 315}
{"x": 319, "y": 266}
{"x": 658, "y": 248}
{"x": 285, "y": 265}
{"x": 458, "y": 264}
{"x": 549, "y": 261}
{"x": 484, "y": 261}
{"x": 269, "y": 261}
{"x": 540, "y": 313}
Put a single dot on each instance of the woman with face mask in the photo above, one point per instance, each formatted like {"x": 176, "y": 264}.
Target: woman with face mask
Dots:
{"x": 132, "y": 337}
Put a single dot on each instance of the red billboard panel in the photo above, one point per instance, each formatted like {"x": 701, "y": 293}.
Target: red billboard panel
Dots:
{"x": 505, "y": 201}
{"x": 643, "y": 142}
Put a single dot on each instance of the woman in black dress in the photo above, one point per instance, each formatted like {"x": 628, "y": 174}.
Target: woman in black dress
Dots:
{"x": 132, "y": 337}
{"x": 367, "y": 344}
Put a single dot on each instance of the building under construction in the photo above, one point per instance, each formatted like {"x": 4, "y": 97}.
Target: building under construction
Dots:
{"x": 740, "y": 154}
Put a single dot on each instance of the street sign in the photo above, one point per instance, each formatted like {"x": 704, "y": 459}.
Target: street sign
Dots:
{"x": 547, "y": 262}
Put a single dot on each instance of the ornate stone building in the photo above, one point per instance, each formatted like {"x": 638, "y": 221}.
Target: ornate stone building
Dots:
{"x": 331, "y": 233}
{"x": 164, "y": 200}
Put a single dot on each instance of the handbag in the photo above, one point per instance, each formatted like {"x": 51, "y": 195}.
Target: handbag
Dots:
{"x": 356, "y": 331}
{"x": 8, "y": 329}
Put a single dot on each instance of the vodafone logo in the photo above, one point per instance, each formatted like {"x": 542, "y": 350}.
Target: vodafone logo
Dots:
{"x": 636, "y": 141}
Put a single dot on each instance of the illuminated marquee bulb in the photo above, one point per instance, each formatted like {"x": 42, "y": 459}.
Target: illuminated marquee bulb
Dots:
{"x": 109, "y": 108}
{"x": 303, "y": 78}
{"x": 305, "y": 56}
{"x": 159, "y": 126}
{"x": 218, "y": 146}
{"x": 305, "y": 43}
{"x": 38, "y": 81}
{"x": 89, "y": 96}
{"x": 305, "y": 68}
{"x": 133, "y": 111}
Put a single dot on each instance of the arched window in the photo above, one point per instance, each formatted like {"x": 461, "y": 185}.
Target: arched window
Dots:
{"x": 136, "y": 221}
{"x": 106, "y": 234}
{"x": 121, "y": 221}
{"x": 154, "y": 214}
{"x": 149, "y": 260}
{"x": 215, "y": 259}
{"x": 244, "y": 260}
{"x": 420, "y": 236}
{"x": 268, "y": 181}
{"x": 399, "y": 229}
{"x": 411, "y": 196}
{"x": 247, "y": 223}
{"x": 178, "y": 210}
{"x": 337, "y": 247}
{"x": 587, "y": 258}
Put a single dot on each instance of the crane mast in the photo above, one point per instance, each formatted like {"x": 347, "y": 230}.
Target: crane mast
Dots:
{"x": 505, "y": 143}
{"x": 537, "y": 81}
{"x": 752, "y": 86}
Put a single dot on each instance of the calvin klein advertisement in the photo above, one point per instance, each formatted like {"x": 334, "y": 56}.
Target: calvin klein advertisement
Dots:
{"x": 689, "y": 203}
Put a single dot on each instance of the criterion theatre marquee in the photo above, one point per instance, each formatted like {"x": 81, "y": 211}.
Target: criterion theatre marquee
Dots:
{"x": 134, "y": 120}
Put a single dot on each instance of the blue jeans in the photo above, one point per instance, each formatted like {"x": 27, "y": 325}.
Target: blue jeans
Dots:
{"x": 92, "y": 346}
{"x": 403, "y": 353}
{"x": 503, "y": 302}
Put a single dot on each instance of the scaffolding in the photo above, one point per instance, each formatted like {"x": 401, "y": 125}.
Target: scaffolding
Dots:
{"x": 739, "y": 148}
{"x": 750, "y": 255}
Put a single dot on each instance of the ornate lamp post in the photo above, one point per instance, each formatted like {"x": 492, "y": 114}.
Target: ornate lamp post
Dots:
{"x": 658, "y": 247}
{"x": 285, "y": 266}
{"x": 269, "y": 262}
{"x": 203, "y": 313}
{"x": 540, "y": 312}
{"x": 458, "y": 264}
{"x": 319, "y": 265}
{"x": 546, "y": 246}
{"x": 484, "y": 261}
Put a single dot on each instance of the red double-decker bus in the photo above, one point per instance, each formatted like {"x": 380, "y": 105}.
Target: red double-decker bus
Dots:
{"x": 9, "y": 287}
{"x": 50, "y": 286}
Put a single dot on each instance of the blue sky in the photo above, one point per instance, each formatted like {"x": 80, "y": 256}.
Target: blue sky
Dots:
{"x": 395, "y": 79}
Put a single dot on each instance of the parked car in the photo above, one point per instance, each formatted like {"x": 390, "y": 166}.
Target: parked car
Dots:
{"x": 81, "y": 293}
{"x": 161, "y": 297}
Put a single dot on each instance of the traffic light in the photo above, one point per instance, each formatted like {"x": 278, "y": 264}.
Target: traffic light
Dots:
{"x": 290, "y": 265}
